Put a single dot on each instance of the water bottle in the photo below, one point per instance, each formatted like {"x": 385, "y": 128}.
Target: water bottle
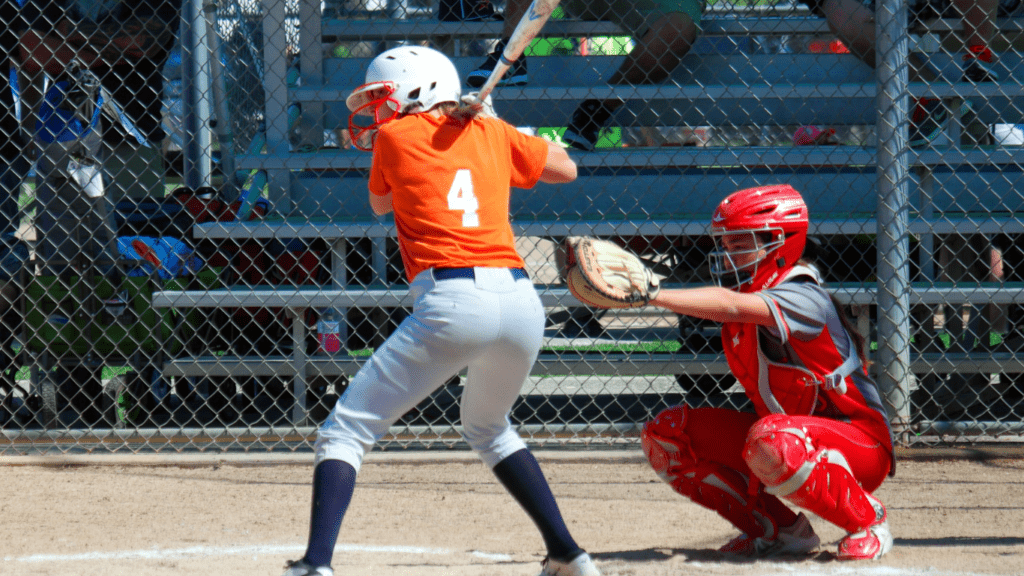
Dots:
{"x": 327, "y": 333}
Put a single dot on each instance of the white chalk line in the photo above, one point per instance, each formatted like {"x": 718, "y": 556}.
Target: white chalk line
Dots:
{"x": 212, "y": 551}
{"x": 858, "y": 569}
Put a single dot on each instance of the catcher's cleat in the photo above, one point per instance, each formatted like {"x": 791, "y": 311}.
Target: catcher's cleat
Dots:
{"x": 581, "y": 565}
{"x": 870, "y": 543}
{"x": 301, "y": 568}
{"x": 796, "y": 540}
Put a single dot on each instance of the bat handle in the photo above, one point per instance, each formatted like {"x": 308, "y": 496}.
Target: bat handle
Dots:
{"x": 492, "y": 81}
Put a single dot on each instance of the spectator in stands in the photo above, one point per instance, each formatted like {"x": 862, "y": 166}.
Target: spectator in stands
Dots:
{"x": 13, "y": 164}
{"x": 126, "y": 43}
{"x": 818, "y": 435}
{"x": 665, "y": 31}
{"x": 13, "y": 169}
{"x": 963, "y": 259}
{"x": 854, "y": 22}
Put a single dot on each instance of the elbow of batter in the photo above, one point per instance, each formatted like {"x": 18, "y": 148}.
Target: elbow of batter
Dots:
{"x": 381, "y": 205}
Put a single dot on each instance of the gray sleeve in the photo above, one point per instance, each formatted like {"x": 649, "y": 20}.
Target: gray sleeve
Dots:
{"x": 800, "y": 309}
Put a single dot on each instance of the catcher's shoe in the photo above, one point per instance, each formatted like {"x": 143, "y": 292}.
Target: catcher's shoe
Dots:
{"x": 581, "y": 565}
{"x": 796, "y": 540}
{"x": 300, "y": 568}
{"x": 870, "y": 543}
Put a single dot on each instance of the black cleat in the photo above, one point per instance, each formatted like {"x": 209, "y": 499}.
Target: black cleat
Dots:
{"x": 515, "y": 76}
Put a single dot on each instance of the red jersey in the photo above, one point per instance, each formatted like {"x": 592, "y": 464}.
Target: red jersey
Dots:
{"x": 450, "y": 187}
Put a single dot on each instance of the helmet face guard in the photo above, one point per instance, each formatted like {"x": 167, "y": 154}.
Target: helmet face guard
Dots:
{"x": 776, "y": 218}
{"x": 736, "y": 269}
{"x": 372, "y": 113}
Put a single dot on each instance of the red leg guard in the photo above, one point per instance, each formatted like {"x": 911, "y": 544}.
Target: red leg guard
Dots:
{"x": 786, "y": 461}
{"x": 711, "y": 485}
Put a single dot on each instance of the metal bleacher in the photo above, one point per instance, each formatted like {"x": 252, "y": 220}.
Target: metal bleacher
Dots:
{"x": 622, "y": 192}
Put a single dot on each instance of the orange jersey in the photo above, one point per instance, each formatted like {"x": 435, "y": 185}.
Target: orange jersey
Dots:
{"x": 450, "y": 188}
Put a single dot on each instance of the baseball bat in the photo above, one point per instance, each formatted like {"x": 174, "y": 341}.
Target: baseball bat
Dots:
{"x": 527, "y": 29}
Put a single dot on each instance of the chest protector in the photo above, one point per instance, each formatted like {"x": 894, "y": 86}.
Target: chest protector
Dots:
{"x": 784, "y": 387}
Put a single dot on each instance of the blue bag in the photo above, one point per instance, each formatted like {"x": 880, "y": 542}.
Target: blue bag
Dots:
{"x": 170, "y": 257}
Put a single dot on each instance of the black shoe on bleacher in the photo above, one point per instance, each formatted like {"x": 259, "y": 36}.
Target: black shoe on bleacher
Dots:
{"x": 929, "y": 119}
{"x": 515, "y": 76}
{"x": 979, "y": 65}
{"x": 585, "y": 127}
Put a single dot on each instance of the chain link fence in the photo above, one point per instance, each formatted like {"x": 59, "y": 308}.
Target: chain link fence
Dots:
{"x": 153, "y": 300}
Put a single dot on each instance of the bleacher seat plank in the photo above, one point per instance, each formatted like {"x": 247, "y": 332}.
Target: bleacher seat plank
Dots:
{"x": 740, "y": 157}
{"x": 569, "y": 364}
{"x": 720, "y": 24}
{"x": 692, "y": 225}
{"x": 705, "y": 89}
{"x": 395, "y": 296}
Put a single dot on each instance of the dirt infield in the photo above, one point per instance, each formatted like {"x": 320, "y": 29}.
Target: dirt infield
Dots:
{"x": 424, "y": 516}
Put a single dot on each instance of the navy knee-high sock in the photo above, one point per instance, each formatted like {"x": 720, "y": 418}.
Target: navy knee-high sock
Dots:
{"x": 521, "y": 476}
{"x": 333, "y": 484}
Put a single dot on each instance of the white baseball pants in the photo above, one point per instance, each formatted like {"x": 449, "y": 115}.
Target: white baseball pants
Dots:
{"x": 492, "y": 323}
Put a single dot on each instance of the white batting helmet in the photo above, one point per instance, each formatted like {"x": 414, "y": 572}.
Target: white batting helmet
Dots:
{"x": 407, "y": 79}
{"x": 412, "y": 75}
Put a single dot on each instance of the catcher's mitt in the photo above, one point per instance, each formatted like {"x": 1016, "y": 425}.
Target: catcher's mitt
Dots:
{"x": 603, "y": 275}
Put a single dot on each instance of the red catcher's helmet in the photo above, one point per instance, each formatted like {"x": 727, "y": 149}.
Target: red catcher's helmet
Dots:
{"x": 776, "y": 218}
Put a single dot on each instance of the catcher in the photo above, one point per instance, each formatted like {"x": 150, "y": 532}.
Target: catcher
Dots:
{"x": 819, "y": 437}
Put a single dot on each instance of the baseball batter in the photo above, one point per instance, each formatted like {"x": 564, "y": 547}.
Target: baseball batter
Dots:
{"x": 820, "y": 437}
{"x": 445, "y": 171}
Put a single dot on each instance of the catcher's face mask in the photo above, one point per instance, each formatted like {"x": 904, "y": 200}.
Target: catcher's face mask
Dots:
{"x": 740, "y": 254}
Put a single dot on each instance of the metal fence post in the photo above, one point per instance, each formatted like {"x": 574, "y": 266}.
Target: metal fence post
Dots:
{"x": 893, "y": 211}
{"x": 195, "y": 60}
{"x": 275, "y": 82}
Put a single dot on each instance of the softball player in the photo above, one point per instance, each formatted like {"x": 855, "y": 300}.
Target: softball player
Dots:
{"x": 820, "y": 437}
{"x": 445, "y": 171}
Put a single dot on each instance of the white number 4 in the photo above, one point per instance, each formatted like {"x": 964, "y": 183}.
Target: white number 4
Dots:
{"x": 461, "y": 198}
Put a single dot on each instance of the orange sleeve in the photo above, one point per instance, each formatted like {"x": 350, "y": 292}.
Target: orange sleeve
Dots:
{"x": 381, "y": 149}
{"x": 529, "y": 155}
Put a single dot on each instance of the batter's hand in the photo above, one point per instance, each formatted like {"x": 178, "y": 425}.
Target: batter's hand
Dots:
{"x": 485, "y": 108}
